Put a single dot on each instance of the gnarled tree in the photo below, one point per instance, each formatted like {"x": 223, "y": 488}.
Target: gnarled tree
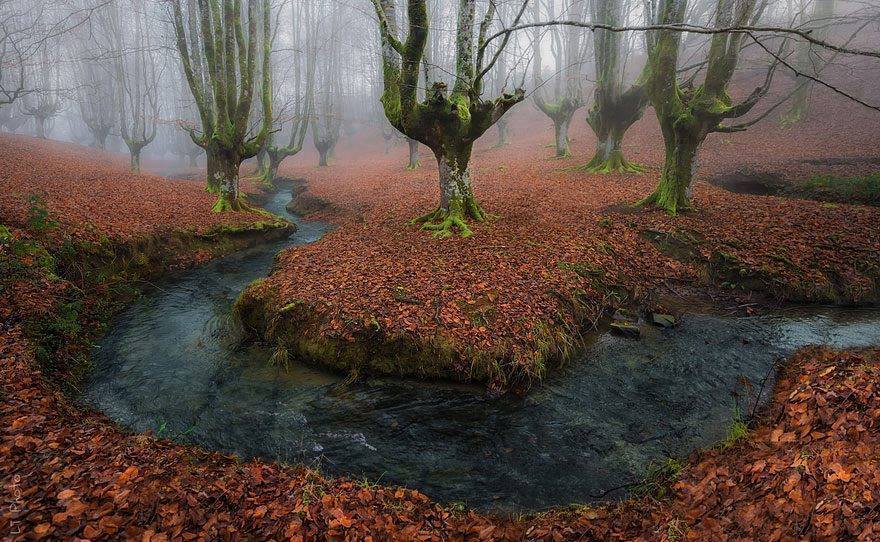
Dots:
{"x": 446, "y": 122}
{"x": 810, "y": 61}
{"x": 44, "y": 102}
{"x": 302, "y": 15}
{"x": 219, "y": 44}
{"x": 566, "y": 85}
{"x": 614, "y": 108}
{"x": 137, "y": 81}
{"x": 688, "y": 114}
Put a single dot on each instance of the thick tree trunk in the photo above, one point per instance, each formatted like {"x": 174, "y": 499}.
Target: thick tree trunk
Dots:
{"x": 799, "y": 106}
{"x": 41, "y": 127}
{"x": 457, "y": 201}
{"x": 227, "y": 178}
{"x": 135, "y": 160}
{"x": 609, "y": 154}
{"x": 270, "y": 171}
{"x": 414, "y": 162}
{"x": 673, "y": 192}
{"x": 323, "y": 156}
{"x": 213, "y": 173}
{"x": 101, "y": 139}
{"x": 560, "y": 131}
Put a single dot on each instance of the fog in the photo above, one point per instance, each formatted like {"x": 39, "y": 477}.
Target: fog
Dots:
{"x": 189, "y": 83}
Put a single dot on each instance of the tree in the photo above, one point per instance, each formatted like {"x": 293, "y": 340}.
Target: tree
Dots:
{"x": 137, "y": 80}
{"x": 567, "y": 95}
{"x": 44, "y": 102}
{"x": 614, "y": 109}
{"x": 327, "y": 114}
{"x": 303, "y": 90}
{"x": 219, "y": 51}
{"x": 446, "y": 122}
{"x": 809, "y": 61}
{"x": 687, "y": 114}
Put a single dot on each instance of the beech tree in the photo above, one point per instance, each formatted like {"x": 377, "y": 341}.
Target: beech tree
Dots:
{"x": 687, "y": 114}
{"x": 44, "y": 102}
{"x": 809, "y": 61}
{"x": 615, "y": 108}
{"x": 219, "y": 45}
{"x": 447, "y": 122}
{"x": 137, "y": 80}
{"x": 95, "y": 102}
{"x": 564, "y": 94}
{"x": 302, "y": 24}
{"x": 327, "y": 115}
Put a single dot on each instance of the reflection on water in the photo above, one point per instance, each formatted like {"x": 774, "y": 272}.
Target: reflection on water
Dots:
{"x": 593, "y": 427}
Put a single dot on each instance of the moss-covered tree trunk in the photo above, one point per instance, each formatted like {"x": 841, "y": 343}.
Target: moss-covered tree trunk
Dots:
{"x": 560, "y": 135}
{"x": 673, "y": 192}
{"x": 687, "y": 114}
{"x": 227, "y": 166}
{"x": 609, "y": 157}
{"x": 457, "y": 201}
{"x": 212, "y": 171}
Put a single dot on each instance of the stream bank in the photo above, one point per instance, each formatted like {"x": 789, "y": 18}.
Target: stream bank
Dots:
{"x": 589, "y": 432}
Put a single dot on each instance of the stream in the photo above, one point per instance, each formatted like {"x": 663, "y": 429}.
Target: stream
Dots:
{"x": 591, "y": 429}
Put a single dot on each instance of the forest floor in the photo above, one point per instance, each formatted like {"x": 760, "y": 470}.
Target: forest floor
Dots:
{"x": 565, "y": 248}
{"x": 807, "y": 469}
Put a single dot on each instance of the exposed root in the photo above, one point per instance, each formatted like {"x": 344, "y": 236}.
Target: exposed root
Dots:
{"x": 616, "y": 163}
{"x": 666, "y": 200}
{"x": 226, "y": 204}
{"x": 444, "y": 223}
{"x": 414, "y": 166}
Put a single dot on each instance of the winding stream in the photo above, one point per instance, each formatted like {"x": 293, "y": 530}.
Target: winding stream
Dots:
{"x": 593, "y": 427}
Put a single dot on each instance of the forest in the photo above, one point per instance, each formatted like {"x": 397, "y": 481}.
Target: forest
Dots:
{"x": 399, "y": 270}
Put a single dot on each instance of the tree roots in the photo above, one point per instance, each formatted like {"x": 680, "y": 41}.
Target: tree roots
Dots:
{"x": 666, "y": 200}
{"x": 616, "y": 163}
{"x": 443, "y": 223}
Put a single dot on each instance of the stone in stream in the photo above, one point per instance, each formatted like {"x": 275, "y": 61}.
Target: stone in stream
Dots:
{"x": 623, "y": 315}
{"x": 626, "y": 329}
{"x": 662, "y": 320}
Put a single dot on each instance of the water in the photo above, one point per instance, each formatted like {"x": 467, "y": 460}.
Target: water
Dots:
{"x": 593, "y": 427}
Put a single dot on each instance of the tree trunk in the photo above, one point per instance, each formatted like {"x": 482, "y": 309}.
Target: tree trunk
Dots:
{"x": 674, "y": 190}
{"x": 560, "y": 130}
{"x": 799, "y": 106}
{"x": 414, "y": 162}
{"x": 41, "y": 127}
{"x": 270, "y": 171}
{"x": 213, "y": 172}
{"x": 609, "y": 155}
{"x": 503, "y": 133}
{"x": 135, "y": 160}
{"x": 227, "y": 178}
{"x": 101, "y": 139}
{"x": 457, "y": 201}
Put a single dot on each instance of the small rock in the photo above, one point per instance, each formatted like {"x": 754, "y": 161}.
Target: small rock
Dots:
{"x": 623, "y": 315}
{"x": 663, "y": 320}
{"x": 626, "y": 329}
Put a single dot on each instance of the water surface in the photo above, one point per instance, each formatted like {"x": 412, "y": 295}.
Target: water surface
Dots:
{"x": 593, "y": 427}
